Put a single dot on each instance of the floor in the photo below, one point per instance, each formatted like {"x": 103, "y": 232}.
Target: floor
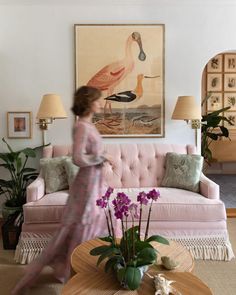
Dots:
{"x": 218, "y": 275}
{"x": 227, "y": 183}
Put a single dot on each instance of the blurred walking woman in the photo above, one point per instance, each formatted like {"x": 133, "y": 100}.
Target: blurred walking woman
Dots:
{"x": 81, "y": 221}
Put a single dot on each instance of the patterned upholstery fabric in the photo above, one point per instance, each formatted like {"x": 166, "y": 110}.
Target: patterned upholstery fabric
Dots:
{"x": 54, "y": 173}
{"x": 71, "y": 169}
{"x": 183, "y": 171}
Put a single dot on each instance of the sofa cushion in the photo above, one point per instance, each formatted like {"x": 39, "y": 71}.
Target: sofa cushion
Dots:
{"x": 48, "y": 209}
{"x": 180, "y": 205}
{"x": 71, "y": 169}
{"x": 54, "y": 174}
{"x": 173, "y": 205}
{"x": 183, "y": 171}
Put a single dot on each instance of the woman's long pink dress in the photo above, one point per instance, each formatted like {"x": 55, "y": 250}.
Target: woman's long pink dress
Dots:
{"x": 82, "y": 219}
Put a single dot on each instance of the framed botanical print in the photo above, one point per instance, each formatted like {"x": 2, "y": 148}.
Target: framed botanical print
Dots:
{"x": 215, "y": 101}
{"x": 232, "y": 117}
{"x": 126, "y": 62}
{"x": 230, "y": 82}
{"x": 19, "y": 125}
{"x": 230, "y": 63}
{"x": 215, "y": 64}
{"x": 230, "y": 100}
{"x": 214, "y": 82}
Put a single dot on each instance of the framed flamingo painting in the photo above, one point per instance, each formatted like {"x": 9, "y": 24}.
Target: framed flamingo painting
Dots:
{"x": 126, "y": 62}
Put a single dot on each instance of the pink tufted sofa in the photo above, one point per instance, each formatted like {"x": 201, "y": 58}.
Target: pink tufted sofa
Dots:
{"x": 196, "y": 220}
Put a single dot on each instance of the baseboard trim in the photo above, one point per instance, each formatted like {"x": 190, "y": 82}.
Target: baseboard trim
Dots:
{"x": 231, "y": 212}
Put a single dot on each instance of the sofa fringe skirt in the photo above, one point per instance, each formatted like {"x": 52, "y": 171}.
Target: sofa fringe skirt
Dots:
{"x": 201, "y": 247}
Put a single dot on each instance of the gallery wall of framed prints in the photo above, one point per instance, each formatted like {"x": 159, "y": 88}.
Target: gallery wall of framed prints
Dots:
{"x": 221, "y": 83}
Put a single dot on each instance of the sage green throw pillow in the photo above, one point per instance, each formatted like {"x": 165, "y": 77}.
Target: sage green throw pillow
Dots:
{"x": 71, "y": 169}
{"x": 54, "y": 174}
{"x": 183, "y": 171}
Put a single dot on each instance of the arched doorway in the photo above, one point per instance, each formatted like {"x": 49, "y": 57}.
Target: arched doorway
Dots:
{"x": 219, "y": 93}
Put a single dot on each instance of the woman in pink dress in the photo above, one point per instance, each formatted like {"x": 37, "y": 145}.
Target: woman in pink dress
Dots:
{"x": 81, "y": 219}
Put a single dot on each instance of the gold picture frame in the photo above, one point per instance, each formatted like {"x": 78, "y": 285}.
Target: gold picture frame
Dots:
{"x": 215, "y": 101}
{"x": 126, "y": 62}
{"x": 230, "y": 62}
{"x": 215, "y": 64}
{"x": 230, "y": 82}
{"x": 230, "y": 100}
{"x": 19, "y": 124}
{"x": 232, "y": 117}
{"x": 214, "y": 82}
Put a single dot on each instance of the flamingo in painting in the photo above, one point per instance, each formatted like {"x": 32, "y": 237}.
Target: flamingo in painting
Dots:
{"x": 111, "y": 75}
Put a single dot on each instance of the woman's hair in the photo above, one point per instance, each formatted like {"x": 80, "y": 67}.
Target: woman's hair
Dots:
{"x": 83, "y": 100}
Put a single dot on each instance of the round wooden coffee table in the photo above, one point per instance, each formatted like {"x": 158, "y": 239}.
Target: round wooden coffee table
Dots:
{"x": 93, "y": 280}
{"x": 82, "y": 261}
{"x": 100, "y": 283}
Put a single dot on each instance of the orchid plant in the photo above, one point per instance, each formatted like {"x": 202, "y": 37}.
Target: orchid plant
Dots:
{"x": 132, "y": 253}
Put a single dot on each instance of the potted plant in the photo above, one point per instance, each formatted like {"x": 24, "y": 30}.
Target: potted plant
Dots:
{"x": 212, "y": 129}
{"x": 14, "y": 189}
{"x": 130, "y": 256}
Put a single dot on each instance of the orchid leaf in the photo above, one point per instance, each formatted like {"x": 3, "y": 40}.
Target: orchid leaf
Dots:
{"x": 159, "y": 239}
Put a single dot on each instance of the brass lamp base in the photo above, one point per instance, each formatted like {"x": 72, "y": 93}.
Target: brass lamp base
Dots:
{"x": 43, "y": 123}
{"x": 196, "y": 124}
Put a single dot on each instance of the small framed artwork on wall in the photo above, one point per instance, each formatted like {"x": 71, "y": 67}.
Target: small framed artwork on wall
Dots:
{"x": 230, "y": 82}
{"x": 232, "y": 117}
{"x": 230, "y": 63}
{"x": 215, "y": 102}
{"x": 214, "y": 82}
{"x": 19, "y": 125}
{"x": 215, "y": 64}
{"x": 230, "y": 100}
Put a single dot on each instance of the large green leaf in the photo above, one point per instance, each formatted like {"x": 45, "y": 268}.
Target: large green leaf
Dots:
{"x": 121, "y": 274}
{"x": 112, "y": 261}
{"x": 159, "y": 239}
{"x": 213, "y": 136}
{"x": 216, "y": 113}
{"x": 225, "y": 131}
{"x": 8, "y": 146}
{"x": 147, "y": 254}
{"x": 18, "y": 164}
{"x": 99, "y": 250}
{"x": 6, "y": 183}
{"x": 109, "y": 252}
{"x": 29, "y": 152}
{"x": 132, "y": 277}
{"x": 7, "y": 157}
{"x": 140, "y": 245}
{"x": 107, "y": 239}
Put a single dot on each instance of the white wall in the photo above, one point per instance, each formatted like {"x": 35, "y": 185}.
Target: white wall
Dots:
{"x": 37, "y": 52}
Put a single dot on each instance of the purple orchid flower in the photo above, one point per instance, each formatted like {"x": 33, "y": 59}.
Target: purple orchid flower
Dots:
{"x": 154, "y": 195}
{"x": 142, "y": 198}
{"x": 101, "y": 203}
{"x": 108, "y": 193}
{"x": 121, "y": 205}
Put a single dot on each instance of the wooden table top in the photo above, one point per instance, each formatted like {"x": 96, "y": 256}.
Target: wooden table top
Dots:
{"x": 100, "y": 283}
{"x": 92, "y": 280}
{"x": 82, "y": 261}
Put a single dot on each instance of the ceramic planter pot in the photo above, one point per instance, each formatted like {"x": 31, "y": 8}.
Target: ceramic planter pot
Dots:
{"x": 6, "y": 211}
{"x": 130, "y": 277}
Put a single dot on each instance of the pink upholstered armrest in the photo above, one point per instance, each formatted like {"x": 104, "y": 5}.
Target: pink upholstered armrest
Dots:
{"x": 209, "y": 188}
{"x": 35, "y": 190}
